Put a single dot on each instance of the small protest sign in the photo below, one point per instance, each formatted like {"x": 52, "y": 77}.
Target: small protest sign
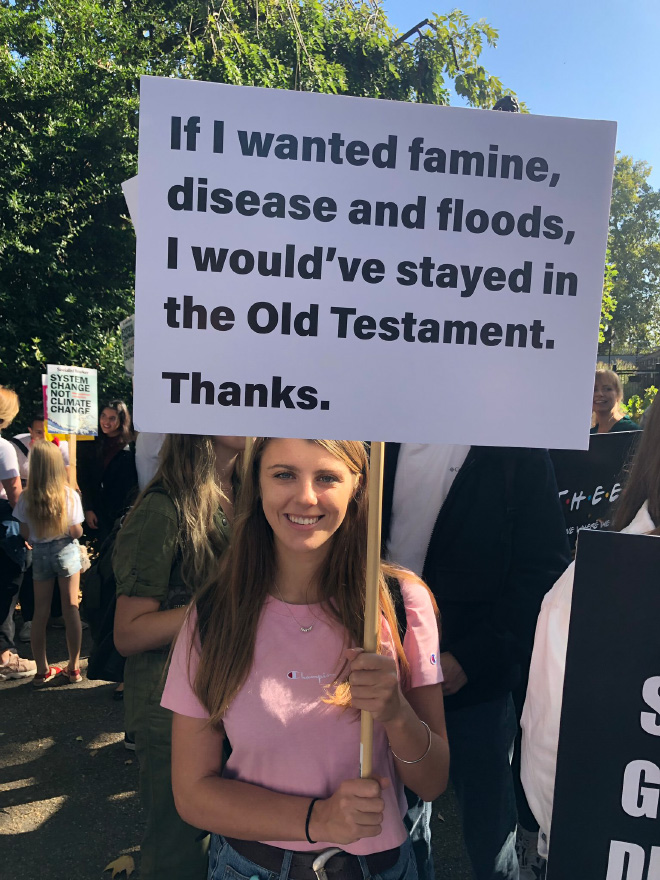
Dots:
{"x": 311, "y": 265}
{"x": 590, "y": 481}
{"x": 127, "y": 329}
{"x": 71, "y": 400}
{"x": 606, "y": 805}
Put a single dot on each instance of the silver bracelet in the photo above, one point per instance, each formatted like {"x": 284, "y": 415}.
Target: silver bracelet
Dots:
{"x": 428, "y": 748}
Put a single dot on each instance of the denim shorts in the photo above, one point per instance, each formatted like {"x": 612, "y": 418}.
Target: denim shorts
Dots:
{"x": 226, "y": 864}
{"x": 58, "y": 558}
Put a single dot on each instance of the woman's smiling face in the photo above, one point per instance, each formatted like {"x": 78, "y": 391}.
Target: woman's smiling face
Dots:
{"x": 305, "y": 493}
{"x": 110, "y": 423}
{"x": 605, "y": 396}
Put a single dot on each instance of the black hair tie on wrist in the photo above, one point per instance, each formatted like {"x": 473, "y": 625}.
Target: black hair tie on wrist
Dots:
{"x": 307, "y": 820}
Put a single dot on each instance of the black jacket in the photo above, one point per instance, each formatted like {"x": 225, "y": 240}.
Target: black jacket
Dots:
{"x": 498, "y": 545}
{"x": 107, "y": 491}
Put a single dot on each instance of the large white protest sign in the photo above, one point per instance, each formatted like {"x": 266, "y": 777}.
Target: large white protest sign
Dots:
{"x": 320, "y": 266}
{"x": 71, "y": 400}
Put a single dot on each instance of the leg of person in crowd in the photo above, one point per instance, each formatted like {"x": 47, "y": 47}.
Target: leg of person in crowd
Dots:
{"x": 11, "y": 665}
{"x": 170, "y": 848}
{"x": 43, "y": 591}
{"x": 418, "y": 822}
{"x": 69, "y": 590}
{"x": 481, "y": 739}
{"x": 532, "y": 865}
{"x": 56, "y": 616}
{"x": 26, "y": 598}
{"x": 7, "y": 626}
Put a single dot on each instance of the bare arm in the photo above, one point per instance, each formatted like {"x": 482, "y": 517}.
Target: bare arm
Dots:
{"x": 24, "y": 529}
{"x": 249, "y": 812}
{"x": 141, "y": 626}
{"x": 375, "y": 688}
{"x": 409, "y": 739}
{"x": 76, "y": 531}
{"x": 13, "y": 488}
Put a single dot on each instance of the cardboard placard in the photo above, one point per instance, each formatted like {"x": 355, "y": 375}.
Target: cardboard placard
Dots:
{"x": 590, "y": 481}
{"x": 606, "y": 820}
{"x": 71, "y": 400}
{"x": 318, "y": 266}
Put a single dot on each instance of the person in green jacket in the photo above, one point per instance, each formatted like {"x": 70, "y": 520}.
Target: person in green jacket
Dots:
{"x": 608, "y": 414}
{"x": 167, "y": 548}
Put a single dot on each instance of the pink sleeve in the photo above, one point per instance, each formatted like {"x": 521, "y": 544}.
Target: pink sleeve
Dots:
{"x": 178, "y": 694}
{"x": 421, "y": 642}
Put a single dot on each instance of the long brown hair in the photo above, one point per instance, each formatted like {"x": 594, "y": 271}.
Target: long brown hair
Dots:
{"x": 46, "y": 492}
{"x": 187, "y": 473}
{"x": 230, "y": 605}
{"x": 644, "y": 480}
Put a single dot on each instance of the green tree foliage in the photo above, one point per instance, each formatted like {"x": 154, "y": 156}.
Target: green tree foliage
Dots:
{"x": 69, "y": 100}
{"x": 634, "y": 248}
{"x": 608, "y": 304}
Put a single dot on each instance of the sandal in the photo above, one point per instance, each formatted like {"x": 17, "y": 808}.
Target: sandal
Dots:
{"x": 41, "y": 679}
{"x": 74, "y": 675}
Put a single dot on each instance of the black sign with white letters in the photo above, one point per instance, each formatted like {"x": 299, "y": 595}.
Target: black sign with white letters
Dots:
{"x": 590, "y": 481}
{"x": 606, "y": 816}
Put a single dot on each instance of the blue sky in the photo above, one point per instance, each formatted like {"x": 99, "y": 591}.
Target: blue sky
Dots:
{"x": 594, "y": 59}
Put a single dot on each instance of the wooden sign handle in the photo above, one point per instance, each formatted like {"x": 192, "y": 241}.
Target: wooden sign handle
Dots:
{"x": 372, "y": 605}
{"x": 73, "y": 476}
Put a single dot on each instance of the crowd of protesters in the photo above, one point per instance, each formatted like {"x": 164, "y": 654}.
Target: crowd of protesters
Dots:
{"x": 243, "y": 731}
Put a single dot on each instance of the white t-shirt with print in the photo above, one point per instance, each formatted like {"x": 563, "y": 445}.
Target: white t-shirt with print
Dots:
{"x": 8, "y": 464}
{"x": 74, "y": 513}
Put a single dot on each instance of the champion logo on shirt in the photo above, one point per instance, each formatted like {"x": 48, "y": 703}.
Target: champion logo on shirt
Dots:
{"x": 434, "y": 660}
{"x": 318, "y": 676}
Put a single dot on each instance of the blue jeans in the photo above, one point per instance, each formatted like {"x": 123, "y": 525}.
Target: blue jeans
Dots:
{"x": 226, "y": 864}
{"x": 481, "y": 742}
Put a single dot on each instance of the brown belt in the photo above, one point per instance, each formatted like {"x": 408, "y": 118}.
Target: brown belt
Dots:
{"x": 342, "y": 866}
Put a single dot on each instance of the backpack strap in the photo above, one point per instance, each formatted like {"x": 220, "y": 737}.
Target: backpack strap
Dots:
{"x": 20, "y": 445}
{"x": 394, "y": 587}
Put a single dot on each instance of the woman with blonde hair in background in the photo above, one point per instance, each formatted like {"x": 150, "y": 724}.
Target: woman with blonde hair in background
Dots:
{"x": 50, "y": 513}
{"x": 270, "y": 660}
{"x": 167, "y": 547}
{"x": 11, "y": 573}
{"x": 608, "y": 414}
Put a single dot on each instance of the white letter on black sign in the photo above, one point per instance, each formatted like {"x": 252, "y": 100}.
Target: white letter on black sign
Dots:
{"x": 636, "y": 798}
{"x": 617, "y": 861}
{"x": 650, "y": 721}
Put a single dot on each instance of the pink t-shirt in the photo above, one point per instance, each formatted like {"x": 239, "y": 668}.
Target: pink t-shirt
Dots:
{"x": 283, "y": 736}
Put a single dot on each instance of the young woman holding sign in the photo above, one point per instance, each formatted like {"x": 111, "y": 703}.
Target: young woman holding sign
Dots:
{"x": 269, "y": 660}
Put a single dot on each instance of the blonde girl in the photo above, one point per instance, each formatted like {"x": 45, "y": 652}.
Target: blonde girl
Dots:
{"x": 51, "y": 514}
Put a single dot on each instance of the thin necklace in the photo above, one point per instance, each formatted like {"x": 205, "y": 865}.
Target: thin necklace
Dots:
{"x": 303, "y": 629}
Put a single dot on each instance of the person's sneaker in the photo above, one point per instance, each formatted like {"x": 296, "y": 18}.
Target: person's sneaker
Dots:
{"x": 129, "y": 742}
{"x": 43, "y": 679}
{"x": 25, "y": 631}
{"x": 17, "y": 667}
{"x": 532, "y": 865}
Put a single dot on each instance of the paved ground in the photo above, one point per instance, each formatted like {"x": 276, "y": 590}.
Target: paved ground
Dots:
{"x": 68, "y": 788}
